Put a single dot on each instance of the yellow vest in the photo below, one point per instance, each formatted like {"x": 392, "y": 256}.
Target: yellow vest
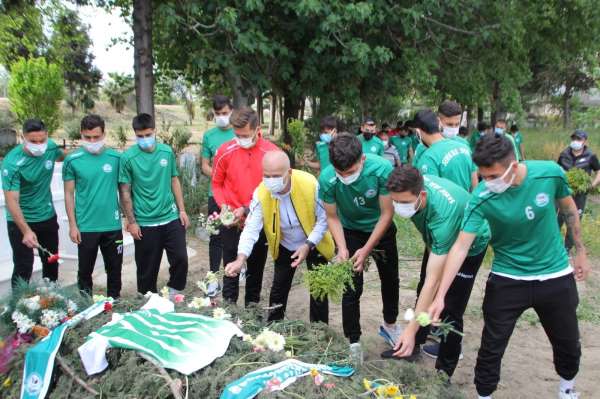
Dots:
{"x": 304, "y": 187}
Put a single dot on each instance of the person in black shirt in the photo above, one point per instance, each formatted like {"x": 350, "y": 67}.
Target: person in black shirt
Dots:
{"x": 578, "y": 155}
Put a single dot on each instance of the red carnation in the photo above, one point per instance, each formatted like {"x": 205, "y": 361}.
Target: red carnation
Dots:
{"x": 53, "y": 258}
{"x": 107, "y": 306}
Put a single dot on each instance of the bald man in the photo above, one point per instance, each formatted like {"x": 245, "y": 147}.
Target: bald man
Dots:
{"x": 286, "y": 206}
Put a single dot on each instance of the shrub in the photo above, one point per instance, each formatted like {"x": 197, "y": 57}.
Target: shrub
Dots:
{"x": 120, "y": 136}
{"x": 35, "y": 90}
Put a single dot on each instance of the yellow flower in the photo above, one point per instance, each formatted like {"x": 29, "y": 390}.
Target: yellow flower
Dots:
{"x": 314, "y": 372}
{"x": 391, "y": 390}
{"x": 367, "y": 384}
{"x": 380, "y": 391}
{"x": 7, "y": 383}
{"x": 413, "y": 397}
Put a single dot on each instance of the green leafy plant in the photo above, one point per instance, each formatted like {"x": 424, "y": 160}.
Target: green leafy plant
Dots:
{"x": 35, "y": 90}
{"x": 298, "y": 134}
{"x": 330, "y": 280}
{"x": 120, "y": 136}
{"x": 579, "y": 181}
{"x": 72, "y": 131}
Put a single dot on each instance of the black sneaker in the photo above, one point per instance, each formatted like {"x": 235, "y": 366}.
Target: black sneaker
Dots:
{"x": 432, "y": 350}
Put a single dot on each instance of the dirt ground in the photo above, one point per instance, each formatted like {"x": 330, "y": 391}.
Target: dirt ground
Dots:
{"x": 527, "y": 370}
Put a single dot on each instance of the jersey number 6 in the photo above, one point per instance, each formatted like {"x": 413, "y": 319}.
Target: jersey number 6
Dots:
{"x": 529, "y": 213}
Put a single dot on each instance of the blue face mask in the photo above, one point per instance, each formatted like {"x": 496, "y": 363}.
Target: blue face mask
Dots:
{"x": 325, "y": 137}
{"x": 146, "y": 143}
{"x": 499, "y": 130}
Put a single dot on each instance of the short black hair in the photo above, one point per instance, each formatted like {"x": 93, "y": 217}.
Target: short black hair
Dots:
{"x": 345, "y": 150}
{"x": 427, "y": 121}
{"x": 220, "y": 101}
{"x": 493, "y": 148}
{"x": 463, "y": 131}
{"x": 92, "y": 121}
{"x": 481, "y": 126}
{"x": 514, "y": 128}
{"x": 385, "y": 125}
{"x": 405, "y": 178}
{"x": 328, "y": 122}
{"x": 450, "y": 108}
{"x": 399, "y": 125}
{"x": 142, "y": 122}
{"x": 33, "y": 125}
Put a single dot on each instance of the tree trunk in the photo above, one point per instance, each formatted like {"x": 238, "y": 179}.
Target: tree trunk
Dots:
{"x": 567, "y": 106}
{"x": 272, "y": 114}
{"x": 259, "y": 107}
{"x": 142, "y": 58}
{"x": 280, "y": 120}
{"x": 497, "y": 107}
{"x": 240, "y": 95}
{"x": 479, "y": 114}
{"x": 302, "y": 106}
{"x": 291, "y": 109}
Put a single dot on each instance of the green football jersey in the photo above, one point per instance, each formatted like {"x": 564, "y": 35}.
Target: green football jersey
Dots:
{"x": 372, "y": 146}
{"x": 211, "y": 141}
{"x": 448, "y": 159}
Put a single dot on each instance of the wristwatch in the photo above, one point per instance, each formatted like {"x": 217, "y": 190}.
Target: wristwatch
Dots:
{"x": 310, "y": 244}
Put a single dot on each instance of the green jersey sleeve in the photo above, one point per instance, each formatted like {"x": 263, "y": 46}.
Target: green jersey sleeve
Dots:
{"x": 67, "y": 171}
{"x": 174, "y": 171}
{"x": 11, "y": 178}
{"x": 473, "y": 219}
{"x": 383, "y": 178}
{"x": 326, "y": 188}
{"x": 562, "y": 186}
{"x": 125, "y": 173}
{"x": 206, "y": 152}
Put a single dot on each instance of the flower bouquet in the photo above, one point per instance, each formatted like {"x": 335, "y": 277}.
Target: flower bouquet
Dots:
{"x": 214, "y": 221}
{"x": 330, "y": 280}
{"x": 38, "y": 309}
{"x": 443, "y": 328}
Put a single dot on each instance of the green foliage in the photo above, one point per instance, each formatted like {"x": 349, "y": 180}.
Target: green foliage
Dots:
{"x": 35, "y": 90}
{"x": 579, "y": 181}
{"x": 195, "y": 194}
{"x": 72, "y": 131}
{"x": 177, "y": 139}
{"x": 119, "y": 134}
{"x": 298, "y": 134}
{"x": 117, "y": 89}
{"x": 21, "y": 32}
{"x": 330, "y": 280}
{"x": 70, "y": 47}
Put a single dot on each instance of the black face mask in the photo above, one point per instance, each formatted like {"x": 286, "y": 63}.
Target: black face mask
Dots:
{"x": 367, "y": 135}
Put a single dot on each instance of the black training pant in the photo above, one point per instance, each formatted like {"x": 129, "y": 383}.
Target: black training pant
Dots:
{"x": 169, "y": 237}
{"x": 111, "y": 247}
{"x": 555, "y": 302}
{"x": 47, "y": 236}
{"x": 215, "y": 243}
{"x": 386, "y": 259}
{"x": 282, "y": 283}
{"x": 255, "y": 266}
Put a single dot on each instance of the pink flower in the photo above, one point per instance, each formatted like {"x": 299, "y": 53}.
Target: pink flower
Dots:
{"x": 179, "y": 298}
{"x": 273, "y": 384}
{"x": 319, "y": 379}
{"x": 329, "y": 385}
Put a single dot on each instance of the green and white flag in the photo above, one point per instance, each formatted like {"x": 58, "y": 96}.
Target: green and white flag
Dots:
{"x": 181, "y": 341}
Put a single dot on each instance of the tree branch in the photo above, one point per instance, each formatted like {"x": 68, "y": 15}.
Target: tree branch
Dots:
{"x": 173, "y": 385}
{"x": 61, "y": 362}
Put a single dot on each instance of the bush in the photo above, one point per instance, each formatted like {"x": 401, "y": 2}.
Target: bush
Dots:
{"x": 120, "y": 136}
{"x": 72, "y": 131}
{"x": 35, "y": 90}
{"x": 177, "y": 140}
{"x": 298, "y": 134}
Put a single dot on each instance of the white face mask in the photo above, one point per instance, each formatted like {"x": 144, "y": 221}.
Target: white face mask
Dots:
{"x": 349, "y": 179}
{"x": 449, "y": 132}
{"x": 37, "y": 150}
{"x": 93, "y": 147}
{"x": 407, "y": 210}
{"x": 247, "y": 142}
{"x": 275, "y": 184}
{"x": 222, "y": 120}
{"x": 498, "y": 185}
{"x": 577, "y": 145}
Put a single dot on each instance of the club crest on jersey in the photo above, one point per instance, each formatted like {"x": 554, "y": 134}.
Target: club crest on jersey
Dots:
{"x": 5, "y": 172}
{"x": 542, "y": 199}
{"x": 374, "y": 149}
{"x": 107, "y": 168}
{"x": 48, "y": 164}
{"x": 370, "y": 193}
{"x": 163, "y": 162}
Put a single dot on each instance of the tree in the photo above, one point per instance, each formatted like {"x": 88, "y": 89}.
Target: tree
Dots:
{"x": 565, "y": 50}
{"x": 35, "y": 90}
{"x": 70, "y": 48}
{"x": 143, "y": 62}
{"x": 117, "y": 89}
{"x": 21, "y": 32}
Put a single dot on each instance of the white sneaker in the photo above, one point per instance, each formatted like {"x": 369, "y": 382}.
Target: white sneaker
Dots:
{"x": 568, "y": 394}
{"x": 356, "y": 354}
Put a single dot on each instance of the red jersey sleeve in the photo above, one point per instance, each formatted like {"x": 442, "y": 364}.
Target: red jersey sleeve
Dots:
{"x": 218, "y": 175}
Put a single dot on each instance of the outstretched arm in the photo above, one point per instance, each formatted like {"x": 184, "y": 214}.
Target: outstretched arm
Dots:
{"x": 571, "y": 215}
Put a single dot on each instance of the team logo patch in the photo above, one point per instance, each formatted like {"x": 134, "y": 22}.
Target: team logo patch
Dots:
{"x": 107, "y": 168}
{"x": 542, "y": 199}
{"x": 373, "y": 149}
{"x": 5, "y": 172}
{"x": 48, "y": 164}
{"x": 370, "y": 193}
{"x": 163, "y": 162}
{"x": 33, "y": 385}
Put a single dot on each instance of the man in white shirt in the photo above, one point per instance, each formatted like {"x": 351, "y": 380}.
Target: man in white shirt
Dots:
{"x": 286, "y": 206}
